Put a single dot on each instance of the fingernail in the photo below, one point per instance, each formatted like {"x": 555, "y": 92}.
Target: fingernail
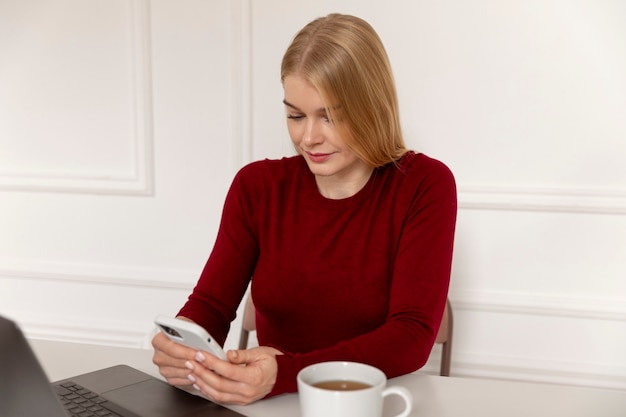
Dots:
{"x": 199, "y": 357}
{"x": 196, "y": 387}
{"x": 191, "y": 378}
{"x": 189, "y": 365}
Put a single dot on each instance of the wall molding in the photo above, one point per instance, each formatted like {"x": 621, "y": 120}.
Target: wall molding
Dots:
{"x": 241, "y": 80}
{"x": 550, "y": 199}
{"x": 86, "y": 330}
{"x": 536, "y": 304}
{"x": 140, "y": 178}
{"x": 114, "y": 276}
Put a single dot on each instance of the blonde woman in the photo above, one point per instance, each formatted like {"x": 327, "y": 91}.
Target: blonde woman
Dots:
{"x": 349, "y": 243}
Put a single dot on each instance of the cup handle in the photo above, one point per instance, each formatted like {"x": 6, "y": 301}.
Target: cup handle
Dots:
{"x": 406, "y": 396}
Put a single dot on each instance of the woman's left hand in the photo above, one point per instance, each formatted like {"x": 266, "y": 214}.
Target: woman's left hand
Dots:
{"x": 248, "y": 377}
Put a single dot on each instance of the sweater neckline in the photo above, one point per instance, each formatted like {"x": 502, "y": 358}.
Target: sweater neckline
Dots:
{"x": 355, "y": 199}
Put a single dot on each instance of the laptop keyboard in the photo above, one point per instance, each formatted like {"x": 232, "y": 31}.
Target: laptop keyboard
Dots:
{"x": 80, "y": 402}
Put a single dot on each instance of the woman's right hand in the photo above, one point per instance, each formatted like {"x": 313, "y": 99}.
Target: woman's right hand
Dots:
{"x": 171, "y": 358}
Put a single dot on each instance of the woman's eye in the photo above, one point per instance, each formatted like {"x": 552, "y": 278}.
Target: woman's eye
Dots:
{"x": 295, "y": 116}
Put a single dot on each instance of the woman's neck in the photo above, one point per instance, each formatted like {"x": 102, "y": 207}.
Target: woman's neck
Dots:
{"x": 335, "y": 187}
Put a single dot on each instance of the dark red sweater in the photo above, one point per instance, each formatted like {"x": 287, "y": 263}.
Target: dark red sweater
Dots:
{"x": 362, "y": 279}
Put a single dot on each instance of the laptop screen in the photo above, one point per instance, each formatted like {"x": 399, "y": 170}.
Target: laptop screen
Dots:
{"x": 24, "y": 387}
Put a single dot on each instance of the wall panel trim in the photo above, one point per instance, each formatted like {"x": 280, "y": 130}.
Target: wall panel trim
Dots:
{"x": 115, "y": 276}
{"x": 549, "y": 199}
{"x": 140, "y": 178}
{"x": 91, "y": 331}
{"x": 241, "y": 80}
{"x": 573, "y": 306}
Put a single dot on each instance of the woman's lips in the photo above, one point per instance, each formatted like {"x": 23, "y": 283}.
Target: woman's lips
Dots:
{"x": 318, "y": 157}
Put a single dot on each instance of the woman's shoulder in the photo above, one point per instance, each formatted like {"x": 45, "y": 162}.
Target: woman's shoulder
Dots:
{"x": 419, "y": 166}
{"x": 417, "y": 177}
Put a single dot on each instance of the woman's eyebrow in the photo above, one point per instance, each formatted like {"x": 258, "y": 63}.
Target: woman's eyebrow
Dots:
{"x": 288, "y": 104}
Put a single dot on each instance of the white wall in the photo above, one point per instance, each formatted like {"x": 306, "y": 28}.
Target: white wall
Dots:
{"x": 122, "y": 123}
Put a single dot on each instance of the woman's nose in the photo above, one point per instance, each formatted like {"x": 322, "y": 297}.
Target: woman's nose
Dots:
{"x": 312, "y": 133}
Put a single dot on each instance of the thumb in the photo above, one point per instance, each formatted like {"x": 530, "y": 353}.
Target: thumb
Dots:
{"x": 238, "y": 356}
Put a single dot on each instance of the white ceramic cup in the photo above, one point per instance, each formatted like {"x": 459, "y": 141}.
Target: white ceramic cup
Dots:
{"x": 365, "y": 402}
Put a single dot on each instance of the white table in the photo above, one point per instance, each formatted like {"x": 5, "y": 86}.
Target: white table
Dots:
{"x": 434, "y": 396}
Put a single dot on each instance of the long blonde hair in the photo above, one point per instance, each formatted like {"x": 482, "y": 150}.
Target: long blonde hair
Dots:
{"x": 345, "y": 60}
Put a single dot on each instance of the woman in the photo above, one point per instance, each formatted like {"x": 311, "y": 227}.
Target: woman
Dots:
{"x": 349, "y": 242}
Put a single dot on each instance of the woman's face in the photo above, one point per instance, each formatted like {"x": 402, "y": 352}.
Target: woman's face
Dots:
{"x": 315, "y": 136}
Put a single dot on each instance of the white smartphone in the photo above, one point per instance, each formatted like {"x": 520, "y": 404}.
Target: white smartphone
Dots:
{"x": 189, "y": 334}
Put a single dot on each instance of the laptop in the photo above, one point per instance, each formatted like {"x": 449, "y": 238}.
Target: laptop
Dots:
{"x": 116, "y": 391}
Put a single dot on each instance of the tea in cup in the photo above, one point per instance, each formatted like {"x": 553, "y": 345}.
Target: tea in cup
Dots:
{"x": 341, "y": 389}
